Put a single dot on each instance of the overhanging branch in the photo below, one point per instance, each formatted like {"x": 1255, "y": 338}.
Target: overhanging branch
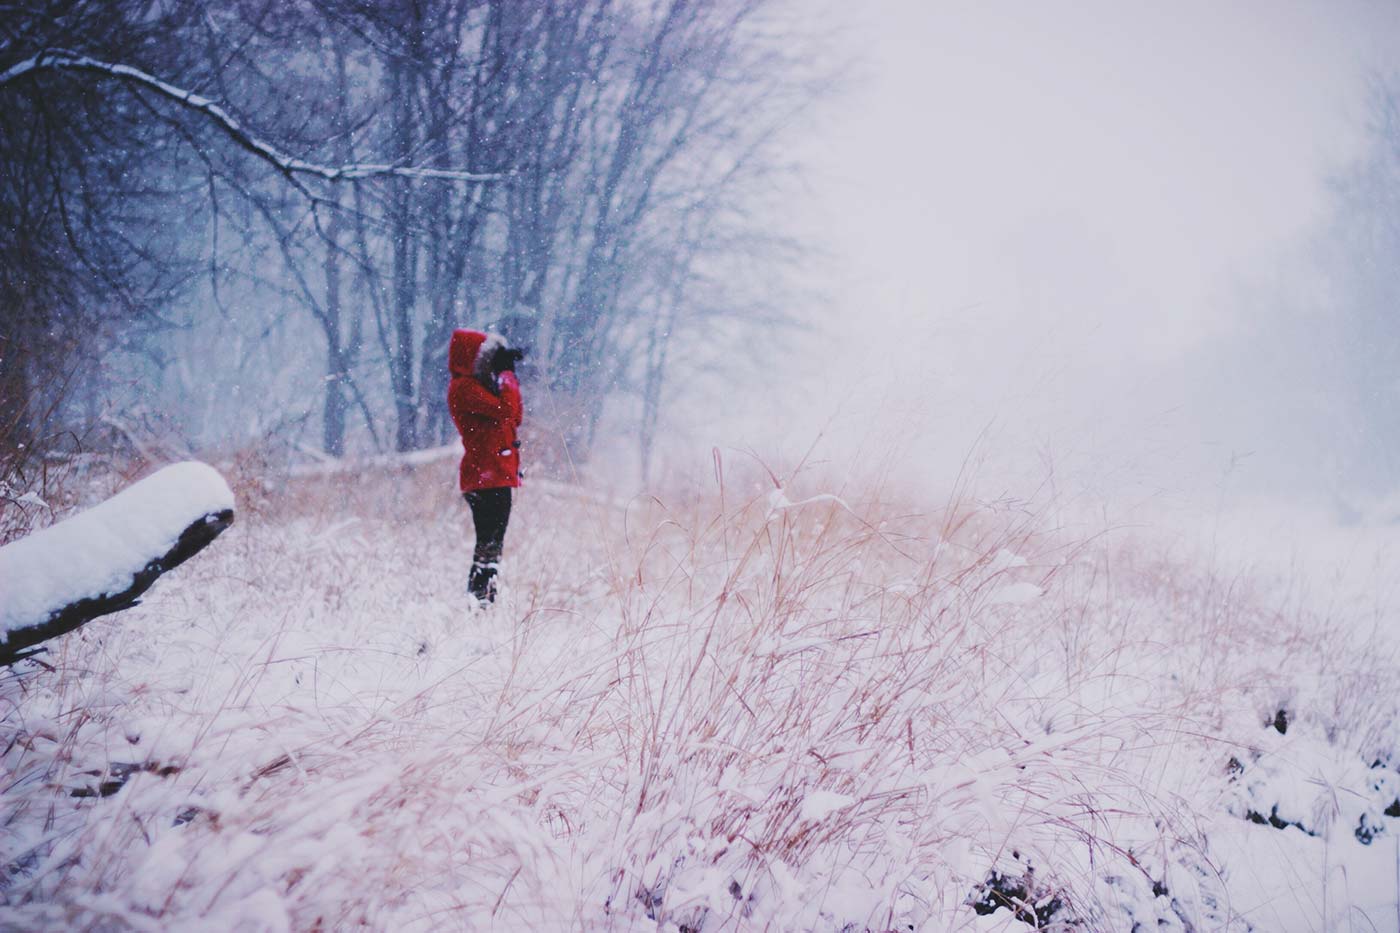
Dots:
{"x": 287, "y": 164}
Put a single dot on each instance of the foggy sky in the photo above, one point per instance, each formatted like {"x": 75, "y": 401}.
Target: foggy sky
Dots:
{"x": 1043, "y": 218}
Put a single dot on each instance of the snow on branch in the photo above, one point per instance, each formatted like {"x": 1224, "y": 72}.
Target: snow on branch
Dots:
{"x": 287, "y": 164}
{"x": 102, "y": 560}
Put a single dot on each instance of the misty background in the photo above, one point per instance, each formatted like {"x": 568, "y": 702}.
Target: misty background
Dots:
{"x": 1143, "y": 253}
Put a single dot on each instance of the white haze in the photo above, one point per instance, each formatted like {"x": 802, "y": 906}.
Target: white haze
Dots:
{"x": 1048, "y": 225}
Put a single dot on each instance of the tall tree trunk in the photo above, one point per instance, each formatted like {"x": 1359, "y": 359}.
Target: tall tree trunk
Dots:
{"x": 405, "y": 274}
{"x": 653, "y": 384}
{"x": 337, "y": 365}
{"x": 16, "y": 431}
{"x": 442, "y": 283}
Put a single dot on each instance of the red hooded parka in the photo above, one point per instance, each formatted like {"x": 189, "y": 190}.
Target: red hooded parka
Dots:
{"x": 486, "y": 420}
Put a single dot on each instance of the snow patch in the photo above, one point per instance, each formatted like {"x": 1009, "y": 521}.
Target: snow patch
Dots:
{"x": 820, "y": 804}
{"x": 1016, "y": 594}
{"x": 779, "y": 502}
{"x": 1005, "y": 560}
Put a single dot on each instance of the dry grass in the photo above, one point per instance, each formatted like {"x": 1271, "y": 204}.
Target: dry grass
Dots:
{"x": 717, "y": 711}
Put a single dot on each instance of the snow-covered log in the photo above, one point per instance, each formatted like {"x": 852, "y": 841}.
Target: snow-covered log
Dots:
{"x": 102, "y": 560}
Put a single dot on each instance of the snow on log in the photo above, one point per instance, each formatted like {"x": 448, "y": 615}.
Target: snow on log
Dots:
{"x": 102, "y": 560}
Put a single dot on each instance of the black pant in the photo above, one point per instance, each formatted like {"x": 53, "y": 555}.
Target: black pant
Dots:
{"x": 490, "y": 515}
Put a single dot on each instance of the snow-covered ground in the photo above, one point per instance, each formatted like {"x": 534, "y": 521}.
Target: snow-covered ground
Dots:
{"x": 754, "y": 711}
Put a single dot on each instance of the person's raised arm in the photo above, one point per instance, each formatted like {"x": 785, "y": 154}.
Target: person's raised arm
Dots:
{"x": 510, "y": 396}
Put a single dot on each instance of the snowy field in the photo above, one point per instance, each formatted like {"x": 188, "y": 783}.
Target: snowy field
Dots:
{"x": 745, "y": 710}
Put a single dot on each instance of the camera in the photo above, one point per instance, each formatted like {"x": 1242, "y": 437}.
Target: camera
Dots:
{"x": 507, "y": 359}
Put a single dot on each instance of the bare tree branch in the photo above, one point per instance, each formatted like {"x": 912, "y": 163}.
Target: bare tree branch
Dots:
{"x": 287, "y": 164}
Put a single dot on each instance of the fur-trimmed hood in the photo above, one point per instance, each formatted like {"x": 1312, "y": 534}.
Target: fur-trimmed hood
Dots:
{"x": 471, "y": 353}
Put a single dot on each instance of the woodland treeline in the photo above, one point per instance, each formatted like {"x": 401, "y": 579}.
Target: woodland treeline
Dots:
{"x": 289, "y": 204}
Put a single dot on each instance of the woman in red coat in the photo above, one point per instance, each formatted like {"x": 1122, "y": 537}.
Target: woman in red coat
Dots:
{"x": 484, "y": 400}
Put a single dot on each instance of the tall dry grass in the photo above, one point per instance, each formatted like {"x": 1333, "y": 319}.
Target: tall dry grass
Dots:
{"x": 744, "y": 709}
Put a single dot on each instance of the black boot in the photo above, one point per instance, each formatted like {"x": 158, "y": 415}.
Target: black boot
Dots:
{"x": 482, "y": 583}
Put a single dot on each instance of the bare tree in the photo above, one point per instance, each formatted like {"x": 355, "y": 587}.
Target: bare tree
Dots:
{"x": 1351, "y": 338}
{"x": 79, "y": 215}
{"x": 574, "y": 173}
{"x": 684, "y": 105}
{"x": 89, "y": 141}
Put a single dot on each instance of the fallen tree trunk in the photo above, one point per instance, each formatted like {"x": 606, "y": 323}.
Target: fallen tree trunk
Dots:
{"x": 102, "y": 560}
